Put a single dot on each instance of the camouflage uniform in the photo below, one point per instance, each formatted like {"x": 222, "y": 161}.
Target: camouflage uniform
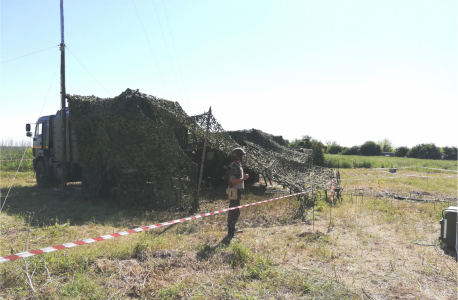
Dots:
{"x": 235, "y": 172}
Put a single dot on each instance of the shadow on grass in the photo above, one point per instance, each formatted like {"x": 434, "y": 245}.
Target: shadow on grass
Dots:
{"x": 207, "y": 251}
{"x": 449, "y": 251}
{"x": 46, "y": 206}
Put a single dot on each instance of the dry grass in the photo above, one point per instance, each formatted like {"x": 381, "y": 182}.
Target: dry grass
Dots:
{"x": 367, "y": 253}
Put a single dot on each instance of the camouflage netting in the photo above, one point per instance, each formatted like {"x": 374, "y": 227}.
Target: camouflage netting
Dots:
{"x": 141, "y": 146}
{"x": 133, "y": 143}
{"x": 289, "y": 168}
{"x": 265, "y": 156}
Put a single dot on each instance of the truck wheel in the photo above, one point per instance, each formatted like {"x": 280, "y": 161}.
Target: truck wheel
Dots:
{"x": 42, "y": 174}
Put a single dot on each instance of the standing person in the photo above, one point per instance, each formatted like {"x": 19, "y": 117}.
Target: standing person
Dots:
{"x": 236, "y": 180}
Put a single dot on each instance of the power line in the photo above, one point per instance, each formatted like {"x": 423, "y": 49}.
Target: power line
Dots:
{"x": 48, "y": 91}
{"x": 87, "y": 70}
{"x": 175, "y": 50}
{"x": 151, "y": 49}
{"x": 168, "y": 52}
{"x": 28, "y": 54}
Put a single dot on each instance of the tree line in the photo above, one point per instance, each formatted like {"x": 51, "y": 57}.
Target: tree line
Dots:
{"x": 371, "y": 148}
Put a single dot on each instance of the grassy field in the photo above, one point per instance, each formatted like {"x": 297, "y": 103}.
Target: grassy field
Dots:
{"x": 371, "y": 249}
{"x": 331, "y": 161}
{"x": 11, "y": 158}
{"x": 356, "y": 161}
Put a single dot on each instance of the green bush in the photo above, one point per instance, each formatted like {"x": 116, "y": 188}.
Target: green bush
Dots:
{"x": 450, "y": 153}
{"x": 318, "y": 156}
{"x": 346, "y": 165}
{"x": 370, "y": 148}
{"x": 386, "y": 145}
{"x": 351, "y": 151}
{"x": 334, "y": 149}
{"x": 425, "y": 151}
{"x": 401, "y": 151}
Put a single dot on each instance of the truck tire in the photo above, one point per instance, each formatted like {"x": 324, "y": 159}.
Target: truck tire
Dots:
{"x": 42, "y": 174}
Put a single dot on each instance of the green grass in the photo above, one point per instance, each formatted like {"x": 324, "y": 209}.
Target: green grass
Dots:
{"x": 355, "y": 161}
{"x": 369, "y": 244}
{"x": 8, "y": 154}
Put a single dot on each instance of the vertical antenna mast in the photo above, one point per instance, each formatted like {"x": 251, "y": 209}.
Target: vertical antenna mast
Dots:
{"x": 63, "y": 111}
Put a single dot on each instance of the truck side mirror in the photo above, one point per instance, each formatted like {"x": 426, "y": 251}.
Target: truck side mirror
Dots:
{"x": 29, "y": 134}
{"x": 27, "y": 127}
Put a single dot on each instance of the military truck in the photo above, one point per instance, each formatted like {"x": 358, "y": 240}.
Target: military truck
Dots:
{"x": 48, "y": 150}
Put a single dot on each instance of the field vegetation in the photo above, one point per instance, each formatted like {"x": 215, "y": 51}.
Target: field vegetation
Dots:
{"x": 356, "y": 161}
{"x": 364, "y": 247}
{"x": 11, "y": 153}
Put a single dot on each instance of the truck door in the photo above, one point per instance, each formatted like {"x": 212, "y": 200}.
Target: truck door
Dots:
{"x": 38, "y": 139}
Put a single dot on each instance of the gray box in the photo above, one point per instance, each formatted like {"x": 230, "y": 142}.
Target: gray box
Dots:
{"x": 448, "y": 227}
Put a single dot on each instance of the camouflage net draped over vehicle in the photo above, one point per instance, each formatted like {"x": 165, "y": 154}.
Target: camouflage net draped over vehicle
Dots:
{"x": 265, "y": 156}
{"x": 142, "y": 147}
{"x": 289, "y": 168}
{"x": 284, "y": 166}
{"x": 133, "y": 143}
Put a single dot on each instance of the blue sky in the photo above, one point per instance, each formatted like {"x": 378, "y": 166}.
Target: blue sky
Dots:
{"x": 348, "y": 71}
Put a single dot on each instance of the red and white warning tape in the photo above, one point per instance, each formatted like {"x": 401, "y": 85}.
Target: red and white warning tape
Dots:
{"x": 127, "y": 232}
{"x": 332, "y": 191}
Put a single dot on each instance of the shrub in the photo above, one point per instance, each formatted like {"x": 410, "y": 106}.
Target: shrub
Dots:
{"x": 450, "y": 153}
{"x": 386, "y": 145}
{"x": 425, "y": 151}
{"x": 351, "y": 151}
{"x": 346, "y": 165}
{"x": 370, "y": 148}
{"x": 401, "y": 151}
{"x": 318, "y": 156}
{"x": 334, "y": 149}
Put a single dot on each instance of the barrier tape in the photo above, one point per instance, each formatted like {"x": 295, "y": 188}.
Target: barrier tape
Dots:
{"x": 332, "y": 191}
{"x": 127, "y": 232}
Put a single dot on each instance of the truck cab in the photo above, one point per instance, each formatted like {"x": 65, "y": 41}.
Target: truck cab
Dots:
{"x": 48, "y": 150}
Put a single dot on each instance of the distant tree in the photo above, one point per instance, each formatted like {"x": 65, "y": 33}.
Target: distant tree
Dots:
{"x": 307, "y": 142}
{"x": 386, "y": 145}
{"x": 401, "y": 151}
{"x": 316, "y": 143}
{"x": 425, "y": 151}
{"x": 318, "y": 156}
{"x": 450, "y": 153}
{"x": 370, "y": 148}
{"x": 351, "y": 151}
{"x": 334, "y": 149}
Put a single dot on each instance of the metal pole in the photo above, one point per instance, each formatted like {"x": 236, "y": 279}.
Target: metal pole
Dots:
{"x": 62, "y": 98}
{"x": 313, "y": 211}
{"x": 203, "y": 155}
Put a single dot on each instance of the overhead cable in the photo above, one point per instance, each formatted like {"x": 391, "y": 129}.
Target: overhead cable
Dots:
{"x": 151, "y": 49}
{"x": 49, "y": 89}
{"x": 168, "y": 52}
{"x": 4, "y": 62}
{"x": 87, "y": 70}
{"x": 176, "y": 56}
